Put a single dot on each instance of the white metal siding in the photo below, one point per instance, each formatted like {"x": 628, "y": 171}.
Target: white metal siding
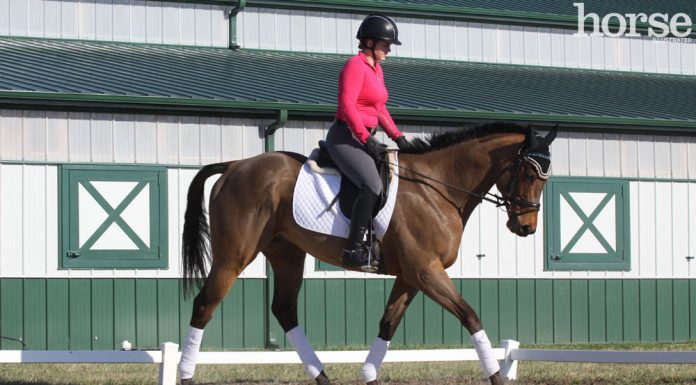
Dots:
{"x": 29, "y": 192}
{"x": 463, "y": 41}
{"x": 121, "y": 138}
{"x": 29, "y": 234}
{"x": 135, "y": 21}
{"x": 663, "y": 215}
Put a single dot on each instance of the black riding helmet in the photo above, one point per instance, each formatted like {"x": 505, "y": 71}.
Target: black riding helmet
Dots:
{"x": 379, "y": 27}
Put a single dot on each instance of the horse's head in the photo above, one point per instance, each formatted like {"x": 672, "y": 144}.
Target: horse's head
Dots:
{"x": 521, "y": 184}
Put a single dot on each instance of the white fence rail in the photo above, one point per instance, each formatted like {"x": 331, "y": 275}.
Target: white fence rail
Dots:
{"x": 509, "y": 355}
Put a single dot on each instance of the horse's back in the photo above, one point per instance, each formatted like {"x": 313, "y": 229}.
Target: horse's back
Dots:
{"x": 268, "y": 173}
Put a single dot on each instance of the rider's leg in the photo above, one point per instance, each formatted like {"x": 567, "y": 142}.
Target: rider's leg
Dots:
{"x": 354, "y": 254}
{"x": 350, "y": 156}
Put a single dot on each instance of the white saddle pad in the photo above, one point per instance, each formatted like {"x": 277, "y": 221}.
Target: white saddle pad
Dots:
{"x": 316, "y": 188}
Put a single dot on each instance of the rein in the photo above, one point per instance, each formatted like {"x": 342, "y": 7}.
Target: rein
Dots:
{"x": 497, "y": 200}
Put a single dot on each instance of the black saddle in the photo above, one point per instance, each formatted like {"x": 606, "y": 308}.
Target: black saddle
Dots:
{"x": 349, "y": 191}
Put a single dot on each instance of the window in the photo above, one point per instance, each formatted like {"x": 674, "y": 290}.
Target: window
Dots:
{"x": 113, "y": 216}
{"x": 587, "y": 224}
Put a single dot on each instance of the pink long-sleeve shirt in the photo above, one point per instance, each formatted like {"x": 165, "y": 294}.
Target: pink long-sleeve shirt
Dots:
{"x": 362, "y": 99}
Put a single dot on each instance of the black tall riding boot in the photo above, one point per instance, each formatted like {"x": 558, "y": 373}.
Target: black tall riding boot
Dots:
{"x": 355, "y": 254}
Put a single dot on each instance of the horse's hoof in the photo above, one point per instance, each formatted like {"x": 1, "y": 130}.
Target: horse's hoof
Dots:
{"x": 322, "y": 379}
{"x": 373, "y": 382}
{"x": 187, "y": 381}
{"x": 496, "y": 379}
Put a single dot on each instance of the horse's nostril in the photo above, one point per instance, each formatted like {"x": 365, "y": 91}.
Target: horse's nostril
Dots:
{"x": 526, "y": 229}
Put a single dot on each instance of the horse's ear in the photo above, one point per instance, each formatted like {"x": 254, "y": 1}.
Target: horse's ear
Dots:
{"x": 551, "y": 135}
{"x": 529, "y": 134}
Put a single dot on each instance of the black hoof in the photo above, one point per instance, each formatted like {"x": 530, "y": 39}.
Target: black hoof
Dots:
{"x": 373, "y": 382}
{"x": 322, "y": 379}
{"x": 187, "y": 381}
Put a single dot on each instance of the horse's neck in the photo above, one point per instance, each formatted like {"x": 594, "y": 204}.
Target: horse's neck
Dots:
{"x": 474, "y": 165}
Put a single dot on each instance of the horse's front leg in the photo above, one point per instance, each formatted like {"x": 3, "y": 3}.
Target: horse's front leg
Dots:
{"x": 436, "y": 284}
{"x": 401, "y": 296}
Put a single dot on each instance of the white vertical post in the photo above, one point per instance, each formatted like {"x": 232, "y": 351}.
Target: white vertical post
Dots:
{"x": 508, "y": 368}
{"x": 170, "y": 359}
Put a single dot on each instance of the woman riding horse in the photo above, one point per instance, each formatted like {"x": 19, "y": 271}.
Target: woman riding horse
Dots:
{"x": 440, "y": 186}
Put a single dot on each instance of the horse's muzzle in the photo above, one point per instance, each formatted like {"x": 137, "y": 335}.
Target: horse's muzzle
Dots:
{"x": 522, "y": 230}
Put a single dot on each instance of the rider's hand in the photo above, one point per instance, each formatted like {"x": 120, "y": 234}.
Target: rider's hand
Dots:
{"x": 374, "y": 148}
{"x": 404, "y": 144}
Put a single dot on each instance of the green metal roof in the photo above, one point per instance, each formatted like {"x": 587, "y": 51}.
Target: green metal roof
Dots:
{"x": 544, "y": 12}
{"x": 117, "y": 75}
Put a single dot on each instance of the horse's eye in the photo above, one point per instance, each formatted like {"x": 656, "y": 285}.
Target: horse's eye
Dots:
{"x": 531, "y": 178}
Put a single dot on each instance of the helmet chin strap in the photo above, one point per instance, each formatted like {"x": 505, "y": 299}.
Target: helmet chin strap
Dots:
{"x": 372, "y": 49}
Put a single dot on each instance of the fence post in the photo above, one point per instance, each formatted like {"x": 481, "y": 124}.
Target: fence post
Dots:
{"x": 508, "y": 369}
{"x": 170, "y": 360}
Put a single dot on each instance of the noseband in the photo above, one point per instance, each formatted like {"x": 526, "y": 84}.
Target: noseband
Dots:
{"x": 509, "y": 197}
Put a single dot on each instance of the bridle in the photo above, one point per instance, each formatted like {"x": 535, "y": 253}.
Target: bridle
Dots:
{"x": 506, "y": 199}
{"x": 509, "y": 198}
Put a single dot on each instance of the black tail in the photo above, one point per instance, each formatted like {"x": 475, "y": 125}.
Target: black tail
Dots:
{"x": 196, "y": 236}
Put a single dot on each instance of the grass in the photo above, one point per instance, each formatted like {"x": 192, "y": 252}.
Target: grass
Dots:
{"x": 464, "y": 373}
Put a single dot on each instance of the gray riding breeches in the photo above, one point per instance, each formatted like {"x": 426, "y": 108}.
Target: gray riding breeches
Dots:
{"x": 350, "y": 157}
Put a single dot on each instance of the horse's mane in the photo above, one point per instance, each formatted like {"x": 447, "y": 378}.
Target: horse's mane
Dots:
{"x": 449, "y": 138}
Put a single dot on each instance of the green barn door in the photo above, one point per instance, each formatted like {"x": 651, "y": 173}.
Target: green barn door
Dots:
{"x": 587, "y": 224}
{"x": 114, "y": 217}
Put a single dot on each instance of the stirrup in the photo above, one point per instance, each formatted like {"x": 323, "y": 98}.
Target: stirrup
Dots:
{"x": 359, "y": 258}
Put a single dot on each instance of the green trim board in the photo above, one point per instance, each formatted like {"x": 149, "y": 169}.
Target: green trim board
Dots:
{"x": 567, "y": 223}
{"x": 95, "y": 232}
{"x": 92, "y": 74}
{"x": 97, "y": 314}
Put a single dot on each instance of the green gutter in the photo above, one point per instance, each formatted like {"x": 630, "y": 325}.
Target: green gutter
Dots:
{"x": 483, "y": 15}
{"x": 13, "y": 99}
{"x": 233, "y": 24}
{"x": 212, "y": 2}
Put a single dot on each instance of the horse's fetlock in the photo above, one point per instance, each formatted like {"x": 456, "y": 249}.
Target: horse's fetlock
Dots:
{"x": 472, "y": 323}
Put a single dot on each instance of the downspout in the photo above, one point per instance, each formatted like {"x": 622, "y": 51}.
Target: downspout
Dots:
{"x": 269, "y": 130}
{"x": 272, "y": 340}
{"x": 233, "y": 24}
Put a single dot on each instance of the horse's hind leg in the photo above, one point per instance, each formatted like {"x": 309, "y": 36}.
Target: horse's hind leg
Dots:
{"x": 288, "y": 265}
{"x": 216, "y": 285}
{"x": 401, "y": 296}
{"x": 235, "y": 242}
{"x": 436, "y": 284}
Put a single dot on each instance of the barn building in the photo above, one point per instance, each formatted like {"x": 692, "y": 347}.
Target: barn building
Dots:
{"x": 109, "y": 107}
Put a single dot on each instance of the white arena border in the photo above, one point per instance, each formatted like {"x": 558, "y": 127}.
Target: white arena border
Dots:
{"x": 509, "y": 355}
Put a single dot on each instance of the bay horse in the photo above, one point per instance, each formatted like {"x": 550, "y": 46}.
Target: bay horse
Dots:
{"x": 441, "y": 182}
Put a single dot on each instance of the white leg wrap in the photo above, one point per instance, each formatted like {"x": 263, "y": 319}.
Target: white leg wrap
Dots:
{"x": 370, "y": 368}
{"x": 485, "y": 353}
{"x": 187, "y": 365}
{"x": 309, "y": 359}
